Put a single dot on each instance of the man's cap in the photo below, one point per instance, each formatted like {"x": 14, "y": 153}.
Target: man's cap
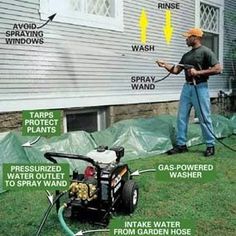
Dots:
{"x": 193, "y": 32}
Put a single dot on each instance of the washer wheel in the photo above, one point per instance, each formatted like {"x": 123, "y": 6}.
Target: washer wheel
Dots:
{"x": 130, "y": 196}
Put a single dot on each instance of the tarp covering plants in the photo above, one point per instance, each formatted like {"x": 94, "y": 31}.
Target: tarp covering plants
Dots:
{"x": 139, "y": 137}
{"x": 233, "y": 123}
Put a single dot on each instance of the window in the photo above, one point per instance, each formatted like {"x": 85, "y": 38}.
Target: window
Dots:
{"x": 88, "y": 120}
{"x": 210, "y": 20}
{"x": 100, "y": 7}
{"x": 106, "y": 14}
{"x": 211, "y": 41}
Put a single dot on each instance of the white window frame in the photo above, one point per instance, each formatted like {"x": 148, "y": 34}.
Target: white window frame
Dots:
{"x": 111, "y": 23}
{"x": 101, "y": 117}
{"x": 219, "y": 4}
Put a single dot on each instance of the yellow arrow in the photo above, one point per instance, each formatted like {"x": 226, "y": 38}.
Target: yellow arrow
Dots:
{"x": 168, "y": 30}
{"x": 143, "y": 23}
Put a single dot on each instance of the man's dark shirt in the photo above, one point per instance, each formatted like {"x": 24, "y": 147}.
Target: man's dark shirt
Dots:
{"x": 201, "y": 58}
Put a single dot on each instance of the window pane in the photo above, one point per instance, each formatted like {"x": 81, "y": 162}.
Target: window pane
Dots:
{"x": 209, "y": 18}
{"x": 82, "y": 121}
{"x": 60, "y": 7}
{"x": 100, "y": 7}
{"x": 76, "y": 5}
{"x": 211, "y": 41}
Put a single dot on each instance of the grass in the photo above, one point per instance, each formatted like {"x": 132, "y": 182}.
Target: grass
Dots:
{"x": 212, "y": 206}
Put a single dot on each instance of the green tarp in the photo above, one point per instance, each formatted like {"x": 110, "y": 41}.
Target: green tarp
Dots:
{"x": 233, "y": 123}
{"x": 139, "y": 137}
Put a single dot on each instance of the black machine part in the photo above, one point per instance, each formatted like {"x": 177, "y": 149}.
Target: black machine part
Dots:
{"x": 114, "y": 186}
{"x": 185, "y": 66}
{"x": 130, "y": 194}
{"x": 119, "y": 152}
{"x": 113, "y": 179}
{"x": 50, "y": 155}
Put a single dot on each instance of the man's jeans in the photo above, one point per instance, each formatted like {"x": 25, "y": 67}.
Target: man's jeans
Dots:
{"x": 188, "y": 99}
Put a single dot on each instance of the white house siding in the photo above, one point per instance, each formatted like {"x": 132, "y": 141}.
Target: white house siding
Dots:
{"x": 81, "y": 66}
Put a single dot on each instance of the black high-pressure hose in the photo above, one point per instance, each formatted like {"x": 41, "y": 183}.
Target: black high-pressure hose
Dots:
{"x": 48, "y": 211}
{"x": 159, "y": 80}
{"x": 205, "y": 122}
{"x": 203, "y": 117}
{"x": 165, "y": 77}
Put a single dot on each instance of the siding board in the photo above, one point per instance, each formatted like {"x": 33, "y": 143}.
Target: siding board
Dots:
{"x": 89, "y": 63}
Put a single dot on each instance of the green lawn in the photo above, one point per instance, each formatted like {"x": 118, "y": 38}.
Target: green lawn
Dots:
{"x": 212, "y": 206}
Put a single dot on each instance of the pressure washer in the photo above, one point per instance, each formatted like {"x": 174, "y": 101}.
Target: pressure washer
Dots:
{"x": 104, "y": 187}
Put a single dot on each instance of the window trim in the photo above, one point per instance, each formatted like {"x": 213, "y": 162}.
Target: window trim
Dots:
{"x": 219, "y": 4}
{"x": 101, "y": 116}
{"x": 85, "y": 19}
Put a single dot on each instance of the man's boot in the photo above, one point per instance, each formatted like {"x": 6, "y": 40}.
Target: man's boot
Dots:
{"x": 210, "y": 151}
{"x": 178, "y": 149}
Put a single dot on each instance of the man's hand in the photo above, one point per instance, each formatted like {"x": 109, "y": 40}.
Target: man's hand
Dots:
{"x": 169, "y": 67}
{"x": 161, "y": 63}
{"x": 193, "y": 72}
{"x": 216, "y": 69}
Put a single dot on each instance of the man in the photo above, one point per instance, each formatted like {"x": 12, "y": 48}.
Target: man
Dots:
{"x": 205, "y": 64}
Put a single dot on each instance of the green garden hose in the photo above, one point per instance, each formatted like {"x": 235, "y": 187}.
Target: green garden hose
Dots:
{"x": 63, "y": 223}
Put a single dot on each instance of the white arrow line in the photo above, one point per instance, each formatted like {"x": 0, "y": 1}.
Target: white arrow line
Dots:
{"x": 29, "y": 144}
{"x": 80, "y": 233}
{"x": 138, "y": 172}
{"x": 149, "y": 170}
{"x": 135, "y": 173}
{"x": 49, "y": 196}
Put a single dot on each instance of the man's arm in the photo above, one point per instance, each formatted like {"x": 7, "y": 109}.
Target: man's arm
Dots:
{"x": 216, "y": 69}
{"x": 169, "y": 67}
